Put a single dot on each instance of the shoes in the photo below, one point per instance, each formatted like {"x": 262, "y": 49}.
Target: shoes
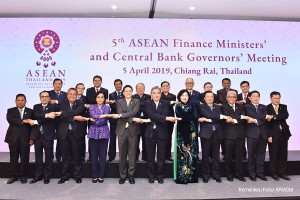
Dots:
{"x": 151, "y": 180}
{"x": 218, "y": 180}
{"x": 285, "y": 177}
{"x": 131, "y": 180}
{"x": 78, "y": 180}
{"x": 252, "y": 178}
{"x": 100, "y": 180}
{"x": 263, "y": 178}
{"x": 240, "y": 178}
{"x": 11, "y": 180}
{"x": 122, "y": 180}
{"x": 205, "y": 180}
{"x": 36, "y": 179}
{"x": 46, "y": 180}
{"x": 95, "y": 180}
{"x": 144, "y": 159}
{"x": 23, "y": 180}
{"x": 230, "y": 178}
{"x": 89, "y": 160}
{"x": 160, "y": 181}
{"x": 170, "y": 159}
{"x": 63, "y": 180}
{"x": 110, "y": 159}
{"x": 275, "y": 177}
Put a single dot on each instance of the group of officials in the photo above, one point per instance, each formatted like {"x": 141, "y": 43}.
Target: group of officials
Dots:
{"x": 226, "y": 119}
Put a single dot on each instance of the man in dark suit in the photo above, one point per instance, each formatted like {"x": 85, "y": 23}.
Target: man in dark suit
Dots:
{"x": 257, "y": 134}
{"x": 140, "y": 94}
{"x": 91, "y": 92}
{"x": 156, "y": 134}
{"x": 56, "y": 98}
{"x": 44, "y": 135}
{"x": 71, "y": 130}
{"x": 171, "y": 99}
{"x": 113, "y": 98}
{"x": 222, "y": 94}
{"x": 278, "y": 139}
{"x": 18, "y": 138}
{"x": 211, "y": 134}
{"x": 127, "y": 130}
{"x": 208, "y": 87}
{"x": 234, "y": 136}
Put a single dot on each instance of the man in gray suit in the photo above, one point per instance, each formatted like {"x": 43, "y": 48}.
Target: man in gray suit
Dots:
{"x": 127, "y": 130}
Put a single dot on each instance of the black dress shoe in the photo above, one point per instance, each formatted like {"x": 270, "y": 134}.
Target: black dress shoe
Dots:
{"x": 11, "y": 180}
{"x": 275, "y": 177}
{"x": 23, "y": 180}
{"x": 285, "y": 177}
{"x": 263, "y": 178}
{"x": 110, "y": 159}
{"x": 170, "y": 159}
{"x": 240, "y": 178}
{"x": 78, "y": 180}
{"x": 252, "y": 178}
{"x": 131, "y": 180}
{"x": 218, "y": 180}
{"x": 160, "y": 181}
{"x": 36, "y": 179}
{"x": 151, "y": 180}
{"x": 230, "y": 178}
{"x": 63, "y": 180}
{"x": 100, "y": 180}
{"x": 122, "y": 180}
{"x": 95, "y": 180}
{"x": 205, "y": 180}
{"x": 46, "y": 180}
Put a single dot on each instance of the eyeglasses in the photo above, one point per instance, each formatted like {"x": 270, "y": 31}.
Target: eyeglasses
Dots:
{"x": 231, "y": 97}
{"x": 44, "y": 96}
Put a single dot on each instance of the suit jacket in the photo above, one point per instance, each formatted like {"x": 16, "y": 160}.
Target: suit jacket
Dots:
{"x": 67, "y": 117}
{"x": 128, "y": 113}
{"x": 60, "y": 98}
{"x": 234, "y": 130}
{"x": 47, "y": 123}
{"x": 113, "y": 107}
{"x": 170, "y": 97}
{"x": 222, "y": 94}
{"x": 158, "y": 118}
{"x": 18, "y": 129}
{"x": 215, "y": 98}
{"x": 254, "y": 130}
{"x": 143, "y": 99}
{"x": 277, "y": 121}
{"x": 206, "y": 128}
{"x": 91, "y": 94}
{"x": 241, "y": 97}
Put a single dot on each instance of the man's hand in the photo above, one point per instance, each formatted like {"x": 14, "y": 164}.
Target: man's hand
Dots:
{"x": 251, "y": 120}
{"x": 57, "y": 114}
{"x": 53, "y": 101}
{"x": 270, "y": 139}
{"x": 171, "y": 119}
{"x": 269, "y": 117}
{"x": 31, "y": 142}
{"x": 51, "y": 115}
{"x": 137, "y": 120}
{"x": 115, "y": 116}
{"x": 79, "y": 118}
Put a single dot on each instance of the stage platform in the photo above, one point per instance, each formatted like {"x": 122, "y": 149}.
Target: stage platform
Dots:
{"x": 141, "y": 168}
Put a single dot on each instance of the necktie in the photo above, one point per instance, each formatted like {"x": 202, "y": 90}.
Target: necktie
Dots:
{"x": 97, "y": 90}
{"x": 245, "y": 96}
{"x": 21, "y": 113}
{"x": 70, "y": 125}
{"x": 212, "y": 108}
{"x": 233, "y": 107}
{"x": 256, "y": 108}
{"x": 41, "y": 127}
{"x": 276, "y": 110}
{"x": 57, "y": 94}
{"x": 118, "y": 95}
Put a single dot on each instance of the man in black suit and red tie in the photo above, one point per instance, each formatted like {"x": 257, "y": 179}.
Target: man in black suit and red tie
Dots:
{"x": 156, "y": 134}
{"x": 243, "y": 98}
{"x": 278, "y": 139}
{"x": 44, "y": 135}
{"x": 18, "y": 138}
{"x": 140, "y": 94}
{"x": 113, "y": 98}
{"x": 171, "y": 99}
{"x": 211, "y": 134}
{"x": 234, "y": 136}
{"x": 257, "y": 132}
{"x": 71, "y": 130}
{"x": 91, "y": 92}
{"x": 56, "y": 98}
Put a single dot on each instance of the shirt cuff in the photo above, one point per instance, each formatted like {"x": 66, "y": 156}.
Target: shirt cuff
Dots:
{"x": 242, "y": 117}
{"x": 235, "y": 121}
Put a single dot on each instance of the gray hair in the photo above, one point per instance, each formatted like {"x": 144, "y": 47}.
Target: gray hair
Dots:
{"x": 231, "y": 92}
{"x": 155, "y": 88}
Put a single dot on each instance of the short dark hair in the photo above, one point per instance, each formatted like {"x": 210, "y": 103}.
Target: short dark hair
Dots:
{"x": 43, "y": 92}
{"x": 97, "y": 76}
{"x": 57, "y": 79}
{"x": 181, "y": 92}
{"x": 243, "y": 82}
{"x": 206, "y": 84}
{"x": 72, "y": 89}
{"x": 118, "y": 80}
{"x": 100, "y": 92}
{"x": 225, "y": 79}
{"x": 206, "y": 92}
{"x": 254, "y": 91}
{"x": 127, "y": 86}
{"x": 274, "y": 93}
{"x": 79, "y": 84}
{"x": 164, "y": 82}
{"x": 20, "y": 95}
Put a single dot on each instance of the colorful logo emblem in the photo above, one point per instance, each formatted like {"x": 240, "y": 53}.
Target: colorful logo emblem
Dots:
{"x": 46, "y": 43}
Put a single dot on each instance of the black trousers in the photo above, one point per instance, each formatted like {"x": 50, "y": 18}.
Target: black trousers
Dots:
{"x": 41, "y": 144}
{"x": 170, "y": 127}
{"x": 20, "y": 149}
{"x": 98, "y": 156}
{"x": 278, "y": 156}
{"x": 211, "y": 146}
{"x": 70, "y": 147}
{"x": 256, "y": 156}
{"x": 234, "y": 149}
{"x": 112, "y": 142}
{"x": 153, "y": 170}
{"x": 144, "y": 149}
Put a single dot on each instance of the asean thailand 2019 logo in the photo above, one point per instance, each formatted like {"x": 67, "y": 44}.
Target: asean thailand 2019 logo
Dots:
{"x": 46, "y": 43}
